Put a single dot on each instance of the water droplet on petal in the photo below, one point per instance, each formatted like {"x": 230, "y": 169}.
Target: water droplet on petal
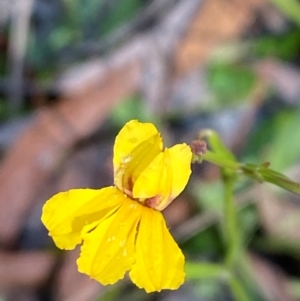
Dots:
{"x": 122, "y": 243}
{"x": 133, "y": 205}
{"x": 111, "y": 239}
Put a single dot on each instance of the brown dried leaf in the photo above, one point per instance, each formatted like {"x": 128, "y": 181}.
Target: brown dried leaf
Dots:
{"x": 25, "y": 269}
{"x": 70, "y": 285}
{"x": 216, "y": 21}
{"x": 270, "y": 279}
{"x": 280, "y": 217}
{"x": 39, "y": 151}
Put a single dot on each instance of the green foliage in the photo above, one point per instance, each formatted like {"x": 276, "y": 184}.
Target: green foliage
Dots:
{"x": 231, "y": 83}
{"x": 131, "y": 108}
{"x": 284, "y": 46}
{"x": 3, "y": 108}
{"x": 248, "y": 222}
{"x": 274, "y": 140}
{"x": 210, "y": 196}
{"x": 122, "y": 12}
{"x": 208, "y": 289}
{"x": 284, "y": 151}
{"x": 207, "y": 243}
{"x": 78, "y": 24}
{"x": 235, "y": 235}
{"x": 62, "y": 37}
{"x": 2, "y": 63}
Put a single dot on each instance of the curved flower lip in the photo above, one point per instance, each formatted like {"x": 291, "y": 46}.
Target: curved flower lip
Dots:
{"x": 147, "y": 172}
{"x": 117, "y": 225}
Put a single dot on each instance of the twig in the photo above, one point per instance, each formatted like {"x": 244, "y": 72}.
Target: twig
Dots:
{"x": 19, "y": 31}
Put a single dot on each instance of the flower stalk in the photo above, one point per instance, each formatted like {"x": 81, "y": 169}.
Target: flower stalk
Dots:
{"x": 232, "y": 235}
{"x": 230, "y": 168}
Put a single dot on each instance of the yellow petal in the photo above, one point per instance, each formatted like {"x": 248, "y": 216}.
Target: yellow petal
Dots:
{"x": 135, "y": 147}
{"x": 109, "y": 251}
{"x": 130, "y": 136}
{"x": 159, "y": 261}
{"x": 66, "y": 213}
{"x": 165, "y": 177}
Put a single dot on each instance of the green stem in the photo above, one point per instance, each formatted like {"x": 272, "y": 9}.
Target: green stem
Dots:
{"x": 230, "y": 224}
{"x": 238, "y": 290}
{"x": 196, "y": 270}
{"x": 259, "y": 173}
{"x": 220, "y": 161}
{"x": 229, "y": 168}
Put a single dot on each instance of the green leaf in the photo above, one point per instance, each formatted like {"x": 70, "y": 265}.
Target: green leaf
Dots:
{"x": 276, "y": 139}
{"x": 131, "y": 108}
{"x": 291, "y": 8}
{"x": 231, "y": 82}
{"x": 285, "y": 47}
{"x": 122, "y": 12}
{"x": 285, "y": 150}
{"x": 210, "y": 195}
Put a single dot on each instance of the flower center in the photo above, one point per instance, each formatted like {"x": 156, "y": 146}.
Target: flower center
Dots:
{"x": 148, "y": 202}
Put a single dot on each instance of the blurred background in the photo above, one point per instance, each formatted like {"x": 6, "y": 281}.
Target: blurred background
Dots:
{"x": 72, "y": 72}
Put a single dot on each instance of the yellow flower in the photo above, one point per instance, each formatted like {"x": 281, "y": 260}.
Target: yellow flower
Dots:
{"x": 121, "y": 227}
